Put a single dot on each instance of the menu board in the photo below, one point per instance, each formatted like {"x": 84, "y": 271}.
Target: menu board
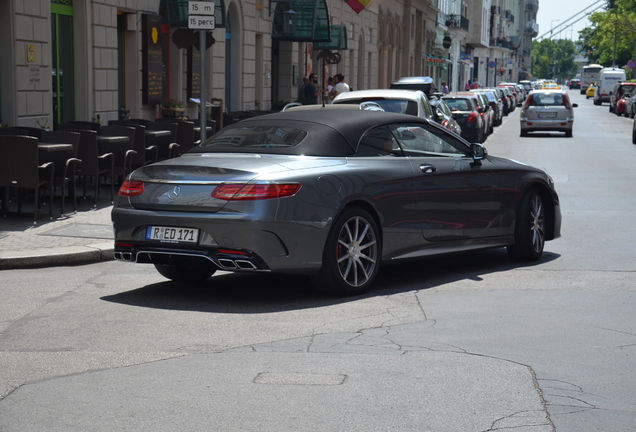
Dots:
{"x": 194, "y": 73}
{"x": 152, "y": 60}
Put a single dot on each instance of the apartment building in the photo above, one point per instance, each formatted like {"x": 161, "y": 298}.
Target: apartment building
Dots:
{"x": 100, "y": 59}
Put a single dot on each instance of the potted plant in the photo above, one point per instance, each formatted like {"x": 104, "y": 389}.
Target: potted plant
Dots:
{"x": 172, "y": 108}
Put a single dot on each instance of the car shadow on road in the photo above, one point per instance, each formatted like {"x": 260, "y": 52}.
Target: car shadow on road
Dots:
{"x": 265, "y": 293}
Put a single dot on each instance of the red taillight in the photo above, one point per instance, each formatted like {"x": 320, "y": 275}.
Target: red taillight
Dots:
{"x": 251, "y": 192}
{"x": 445, "y": 123}
{"x": 566, "y": 101}
{"x": 527, "y": 104}
{"x": 472, "y": 118}
{"x": 131, "y": 188}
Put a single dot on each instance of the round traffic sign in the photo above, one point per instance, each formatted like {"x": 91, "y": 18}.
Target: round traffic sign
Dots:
{"x": 630, "y": 64}
{"x": 491, "y": 64}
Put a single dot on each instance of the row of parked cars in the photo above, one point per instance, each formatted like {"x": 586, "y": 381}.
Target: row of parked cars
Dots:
{"x": 471, "y": 114}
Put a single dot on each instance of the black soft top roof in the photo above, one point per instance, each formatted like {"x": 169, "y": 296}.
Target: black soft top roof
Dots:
{"x": 330, "y": 132}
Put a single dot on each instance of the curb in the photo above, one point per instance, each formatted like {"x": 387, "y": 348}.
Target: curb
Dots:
{"x": 64, "y": 256}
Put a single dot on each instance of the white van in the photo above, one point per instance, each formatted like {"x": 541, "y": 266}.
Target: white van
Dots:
{"x": 607, "y": 80}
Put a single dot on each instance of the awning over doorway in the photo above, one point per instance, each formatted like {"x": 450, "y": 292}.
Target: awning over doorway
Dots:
{"x": 338, "y": 39}
{"x": 311, "y": 21}
{"x": 175, "y": 13}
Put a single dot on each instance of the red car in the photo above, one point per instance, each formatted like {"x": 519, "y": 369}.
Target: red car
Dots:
{"x": 619, "y": 96}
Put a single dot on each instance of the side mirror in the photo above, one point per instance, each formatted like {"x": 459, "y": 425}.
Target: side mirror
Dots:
{"x": 574, "y": 105}
{"x": 479, "y": 152}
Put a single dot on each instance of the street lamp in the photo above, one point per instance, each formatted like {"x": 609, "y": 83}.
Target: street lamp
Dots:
{"x": 556, "y": 20}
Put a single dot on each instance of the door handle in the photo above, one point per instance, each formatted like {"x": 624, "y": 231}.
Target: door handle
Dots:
{"x": 428, "y": 168}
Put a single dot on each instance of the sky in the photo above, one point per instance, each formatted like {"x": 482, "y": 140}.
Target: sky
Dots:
{"x": 562, "y": 10}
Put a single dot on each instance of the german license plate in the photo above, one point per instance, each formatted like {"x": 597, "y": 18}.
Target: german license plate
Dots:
{"x": 172, "y": 234}
{"x": 547, "y": 115}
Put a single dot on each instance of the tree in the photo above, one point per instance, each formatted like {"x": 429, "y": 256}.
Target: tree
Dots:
{"x": 554, "y": 59}
{"x": 612, "y": 34}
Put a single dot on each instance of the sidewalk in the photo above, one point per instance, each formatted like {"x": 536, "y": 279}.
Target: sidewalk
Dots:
{"x": 75, "y": 238}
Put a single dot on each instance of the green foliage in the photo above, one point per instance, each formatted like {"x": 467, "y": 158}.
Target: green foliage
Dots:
{"x": 554, "y": 59}
{"x": 612, "y": 35}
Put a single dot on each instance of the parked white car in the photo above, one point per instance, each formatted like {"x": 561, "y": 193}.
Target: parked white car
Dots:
{"x": 412, "y": 102}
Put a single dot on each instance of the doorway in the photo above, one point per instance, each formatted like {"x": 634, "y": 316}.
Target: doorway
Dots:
{"x": 62, "y": 61}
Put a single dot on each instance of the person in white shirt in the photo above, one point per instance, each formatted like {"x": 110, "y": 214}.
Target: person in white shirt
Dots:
{"x": 341, "y": 86}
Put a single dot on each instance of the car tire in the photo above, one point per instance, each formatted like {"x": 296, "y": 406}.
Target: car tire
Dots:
{"x": 529, "y": 229}
{"x": 523, "y": 133}
{"x": 586, "y": 97}
{"x": 352, "y": 254}
{"x": 568, "y": 134}
{"x": 185, "y": 274}
{"x": 634, "y": 135}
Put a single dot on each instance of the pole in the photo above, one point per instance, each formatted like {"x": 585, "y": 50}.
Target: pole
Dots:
{"x": 203, "y": 108}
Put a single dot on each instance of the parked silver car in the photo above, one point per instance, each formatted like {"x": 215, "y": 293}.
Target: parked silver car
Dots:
{"x": 547, "y": 110}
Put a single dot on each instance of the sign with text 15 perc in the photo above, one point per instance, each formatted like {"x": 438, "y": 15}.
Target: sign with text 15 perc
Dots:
{"x": 201, "y": 15}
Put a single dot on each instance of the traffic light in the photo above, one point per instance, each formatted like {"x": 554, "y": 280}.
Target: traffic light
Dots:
{"x": 501, "y": 71}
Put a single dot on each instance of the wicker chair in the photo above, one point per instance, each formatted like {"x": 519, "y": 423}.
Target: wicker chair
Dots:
{"x": 94, "y": 164}
{"x": 123, "y": 153}
{"x": 145, "y": 154}
{"x": 64, "y": 169}
{"x": 19, "y": 167}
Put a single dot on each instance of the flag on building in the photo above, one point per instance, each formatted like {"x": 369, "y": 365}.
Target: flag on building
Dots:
{"x": 358, "y": 5}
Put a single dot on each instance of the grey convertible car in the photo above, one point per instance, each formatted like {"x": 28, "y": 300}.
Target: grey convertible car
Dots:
{"x": 332, "y": 194}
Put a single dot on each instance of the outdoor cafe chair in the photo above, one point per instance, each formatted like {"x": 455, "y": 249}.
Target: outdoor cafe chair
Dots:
{"x": 118, "y": 140}
{"x": 145, "y": 154}
{"x": 65, "y": 162}
{"x": 95, "y": 165}
{"x": 20, "y": 168}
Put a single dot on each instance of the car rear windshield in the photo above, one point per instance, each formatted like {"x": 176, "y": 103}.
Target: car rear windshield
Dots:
{"x": 389, "y": 105}
{"x": 547, "y": 99}
{"x": 458, "y": 104}
{"x": 257, "y": 137}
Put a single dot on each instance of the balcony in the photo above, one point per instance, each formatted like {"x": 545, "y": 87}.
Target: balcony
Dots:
{"x": 457, "y": 21}
{"x": 501, "y": 42}
{"x": 509, "y": 16}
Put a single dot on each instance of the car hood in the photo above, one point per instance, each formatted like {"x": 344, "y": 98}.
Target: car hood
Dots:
{"x": 186, "y": 183}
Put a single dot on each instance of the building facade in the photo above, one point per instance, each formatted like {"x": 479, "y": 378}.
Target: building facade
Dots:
{"x": 101, "y": 59}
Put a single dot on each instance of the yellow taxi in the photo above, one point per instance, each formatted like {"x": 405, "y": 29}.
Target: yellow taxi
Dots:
{"x": 550, "y": 86}
{"x": 589, "y": 93}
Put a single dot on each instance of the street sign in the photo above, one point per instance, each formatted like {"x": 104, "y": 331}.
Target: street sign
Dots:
{"x": 201, "y": 22}
{"x": 200, "y": 8}
{"x": 630, "y": 64}
{"x": 491, "y": 64}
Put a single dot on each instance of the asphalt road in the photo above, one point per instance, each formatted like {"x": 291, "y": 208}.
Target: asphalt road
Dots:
{"x": 467, "y": 343}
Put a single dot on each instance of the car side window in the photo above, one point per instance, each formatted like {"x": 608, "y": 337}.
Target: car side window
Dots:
{"x": 427, "y": 107}
{"x": 425, "y": 140}
{"x": 378, "y": 142}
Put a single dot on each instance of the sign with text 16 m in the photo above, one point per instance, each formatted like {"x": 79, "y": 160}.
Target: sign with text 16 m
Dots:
{"x": 201, "y": 15}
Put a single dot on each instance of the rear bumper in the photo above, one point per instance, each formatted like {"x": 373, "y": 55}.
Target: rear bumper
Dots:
{"x": 546, "y": 125}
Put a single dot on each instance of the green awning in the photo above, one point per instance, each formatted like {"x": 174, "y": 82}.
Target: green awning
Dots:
{"x": 311, "y": 21}
{"x": 338, "y": 39}
{"x": 175, "y": 13}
